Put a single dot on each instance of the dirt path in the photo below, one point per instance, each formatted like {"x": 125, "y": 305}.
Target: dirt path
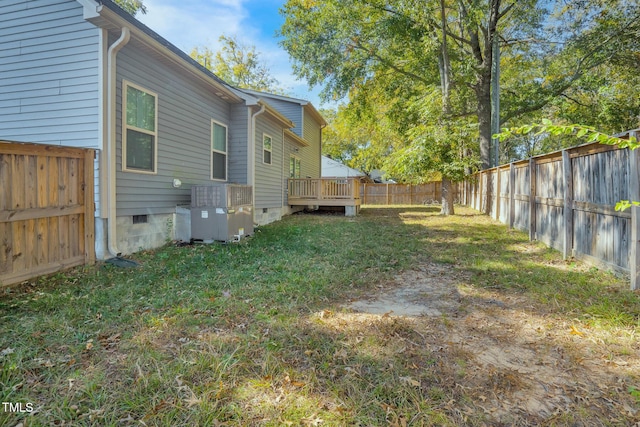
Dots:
{"x": 518, "y": 366}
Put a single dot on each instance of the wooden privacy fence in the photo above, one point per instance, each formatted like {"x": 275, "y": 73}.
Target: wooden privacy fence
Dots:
{"x": 401, "y": 194}
{"x": 46, "y": 210}
{"x": 566, "y": 200}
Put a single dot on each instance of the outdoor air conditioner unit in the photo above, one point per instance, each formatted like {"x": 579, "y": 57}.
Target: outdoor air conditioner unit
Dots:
{"x": 221, "y": 212}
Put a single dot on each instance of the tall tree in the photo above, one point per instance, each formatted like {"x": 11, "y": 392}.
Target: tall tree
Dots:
{"x": 239, "y": 65}
{"x": 353, "y": 141}
{"x": 342, "y": 43}
{"x": 398, "y": 53}
{"x": 132, "y": 6}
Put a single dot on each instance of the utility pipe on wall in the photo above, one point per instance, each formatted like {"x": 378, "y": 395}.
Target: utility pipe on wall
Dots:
{"x": 111, "y": 139}
{"x": 252, "y": 154}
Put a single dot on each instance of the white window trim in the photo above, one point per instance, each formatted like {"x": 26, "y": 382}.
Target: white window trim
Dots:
{"x": 125, "y": 126}
{"x": 226, "y": 153}
{"x": 266, "y": 135}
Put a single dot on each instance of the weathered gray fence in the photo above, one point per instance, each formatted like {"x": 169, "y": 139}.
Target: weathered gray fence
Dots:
{"x": 566, "y": 200}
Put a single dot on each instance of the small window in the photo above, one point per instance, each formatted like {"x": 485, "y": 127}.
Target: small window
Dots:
{"x": 218, "y": 151}
{"x": 294, "y": 167}
{"x": 140, "y": 124}
{"x": 266, "y": 149}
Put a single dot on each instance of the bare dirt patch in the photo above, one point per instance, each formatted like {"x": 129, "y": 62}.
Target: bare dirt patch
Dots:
{"x": 512, "y": 362}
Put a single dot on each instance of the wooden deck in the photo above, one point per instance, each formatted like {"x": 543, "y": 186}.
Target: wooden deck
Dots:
{"x": 324, "y": 192}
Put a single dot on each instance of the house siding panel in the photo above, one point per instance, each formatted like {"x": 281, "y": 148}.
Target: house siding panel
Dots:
{"x": 311, "y": 155}
{"x": 238, "y": 136}
{"x": 49, "y": 67}
{"x": 291, "y": 110}
{"x": 186, "y": 107}
{"x": 291, "y": 148}
{"x": 268, "y": 178}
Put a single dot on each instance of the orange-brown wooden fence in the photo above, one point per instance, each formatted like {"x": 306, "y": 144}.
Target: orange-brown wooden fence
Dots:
{"x": 46, "y": 210}
{"x": 401, "y": 194}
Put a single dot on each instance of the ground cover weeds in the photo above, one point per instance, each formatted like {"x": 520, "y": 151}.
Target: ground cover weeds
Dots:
{"x": 260, "y": 333}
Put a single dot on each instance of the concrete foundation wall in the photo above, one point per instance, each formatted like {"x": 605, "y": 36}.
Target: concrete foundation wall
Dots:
{"x": 136, "y": 237}
{"x": 161, "y": 228}
{"x": 261, "y": 217}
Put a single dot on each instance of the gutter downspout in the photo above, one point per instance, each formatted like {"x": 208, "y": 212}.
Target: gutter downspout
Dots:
{"x": 282, "y": 177}
{"x": 252, "y": 154}
{"x": 111, "y": 138}
{"x": 322, "y": 126}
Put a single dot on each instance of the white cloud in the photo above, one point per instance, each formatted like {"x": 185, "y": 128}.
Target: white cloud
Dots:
{"x": 192, "y": 23}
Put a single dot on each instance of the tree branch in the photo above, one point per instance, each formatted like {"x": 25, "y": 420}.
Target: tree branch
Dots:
{"x": 388, "y": 63}
{"x": 506, "y": 10}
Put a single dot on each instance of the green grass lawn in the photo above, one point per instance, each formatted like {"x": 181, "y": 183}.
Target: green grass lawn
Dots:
{"x": 238, "y": 334}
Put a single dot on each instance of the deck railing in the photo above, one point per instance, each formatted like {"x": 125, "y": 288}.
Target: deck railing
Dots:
{"x": 324, "y": 191}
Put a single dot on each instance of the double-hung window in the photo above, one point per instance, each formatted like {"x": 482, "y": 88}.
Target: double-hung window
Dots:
{"x": 266, "y": 149}
{"x": 140, "y": 129}
{"x": 218, "y": 151}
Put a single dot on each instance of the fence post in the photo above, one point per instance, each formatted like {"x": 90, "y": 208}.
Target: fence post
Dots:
{"x": 411, "y": 194}
{"x": 476, "y": 189}
{"x": 532, "y": 199}
{"x": 634, "y": 194}
{"x": 497, "y": 196}
{"x": 480, "y": 190}
{"x": 512, "y": 193}
{"x": 89, "y": 208}
{"x": 567, "y": 176}
{"x": 464, "y": 191}
{"x": 387, "y": 194}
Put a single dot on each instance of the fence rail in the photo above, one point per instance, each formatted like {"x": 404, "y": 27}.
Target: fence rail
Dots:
{"x": 566, "y": 200}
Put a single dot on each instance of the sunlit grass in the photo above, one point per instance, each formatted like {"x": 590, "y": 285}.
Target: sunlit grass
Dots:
{"x": 256, "y": 333}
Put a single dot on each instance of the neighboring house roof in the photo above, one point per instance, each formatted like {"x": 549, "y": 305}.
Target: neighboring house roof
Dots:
{"x": 335, "y": 169}
{"x": 377, "y": 176}
{"x": 308, "y": 106}
{"x": 107, "y": 14}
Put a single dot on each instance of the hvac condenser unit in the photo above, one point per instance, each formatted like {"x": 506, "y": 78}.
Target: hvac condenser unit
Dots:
{"x": 221, "y": 212}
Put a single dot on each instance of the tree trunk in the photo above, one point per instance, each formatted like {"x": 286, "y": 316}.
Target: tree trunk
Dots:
{"x": 445, "y": 77}
{"x": 483, "y": 93}
{"x": 447, "y": 197}
{"x": 483, "y": 52}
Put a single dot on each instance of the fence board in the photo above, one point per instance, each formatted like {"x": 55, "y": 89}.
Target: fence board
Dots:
{"x": 6, "y": 236}
{"x": 46, "y": 209}
{"x": 566, "y": 200}
{"x": 31, "y": 190}
{"x": 504, "y": 197}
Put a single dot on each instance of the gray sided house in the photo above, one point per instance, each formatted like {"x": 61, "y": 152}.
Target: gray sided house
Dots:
{"x": 302, "y": 149}
{"x": 84, "y": 73}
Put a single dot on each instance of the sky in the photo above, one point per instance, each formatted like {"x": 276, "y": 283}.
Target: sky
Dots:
{"x": 191, "y": 23}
